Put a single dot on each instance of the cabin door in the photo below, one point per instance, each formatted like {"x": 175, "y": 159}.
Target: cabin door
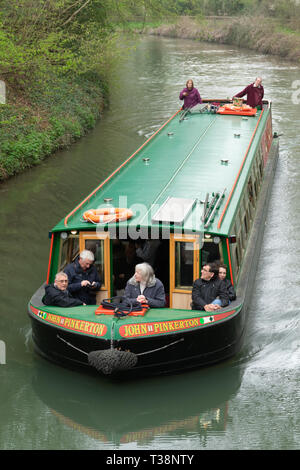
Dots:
{"x": 184, "y": 269}
{"x": 99, "y": 244}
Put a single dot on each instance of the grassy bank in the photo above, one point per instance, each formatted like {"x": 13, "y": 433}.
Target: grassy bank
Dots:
{"x": 45, "y": 117}
{"x": 267, "y": 36}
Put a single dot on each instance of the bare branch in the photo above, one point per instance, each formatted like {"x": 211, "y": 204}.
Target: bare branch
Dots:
{"x": 76, "y": 13}
{"x": 71, "y": 6}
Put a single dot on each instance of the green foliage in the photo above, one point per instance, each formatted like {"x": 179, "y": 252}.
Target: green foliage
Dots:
{"x": 56, "y": 57}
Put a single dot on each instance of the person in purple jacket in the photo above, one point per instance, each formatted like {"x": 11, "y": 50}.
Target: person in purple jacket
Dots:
{"x": 254, "y": 92}
{"x": 190, "y": 95}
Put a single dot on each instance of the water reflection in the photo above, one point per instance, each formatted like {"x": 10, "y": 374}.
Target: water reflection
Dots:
{"x": 138, "y": 412}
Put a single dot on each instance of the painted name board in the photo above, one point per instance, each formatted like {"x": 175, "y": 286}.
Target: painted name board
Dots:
{"x": 80, "y": 326}
{"x": 135, "y": 330}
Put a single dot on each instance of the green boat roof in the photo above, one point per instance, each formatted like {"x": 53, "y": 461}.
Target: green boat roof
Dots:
{"x": 188, "y": 158}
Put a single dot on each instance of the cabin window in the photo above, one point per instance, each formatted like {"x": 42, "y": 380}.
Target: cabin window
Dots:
{"x": 235, "y": 250}
{"x": 99, "y": 244}
{"x": 250, "y": 191}
{"x": 246, "y": 224}
{"x": 69, "y": 249}
{"x": 249, "y": 211}
{"x": 211, "y": 250}
{"x": 97, "y": 247}
{"x": 257, "y": 171}
{"x": 237, "y": 222}
{"x": 184, "y": 257}
{"x": 184, "y": 265}
{"x": 251, "y": 198}
{"x": 241, "y": 231}
{"x": 261, "y": 169}
{"x": 256, "y": 187}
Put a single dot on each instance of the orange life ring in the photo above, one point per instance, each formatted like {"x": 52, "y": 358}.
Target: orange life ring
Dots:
{"x": 106, "y": 215}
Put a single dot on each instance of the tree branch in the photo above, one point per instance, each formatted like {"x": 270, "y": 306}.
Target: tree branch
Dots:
{"x": 76, "y": 13}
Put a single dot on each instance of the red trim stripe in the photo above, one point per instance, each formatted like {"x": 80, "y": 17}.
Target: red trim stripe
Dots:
{"x": 229, "y": 260}
{"x": 50, "y": 256}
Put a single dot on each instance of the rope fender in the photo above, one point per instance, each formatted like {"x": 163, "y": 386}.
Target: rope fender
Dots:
{"x": 108, "y": 361}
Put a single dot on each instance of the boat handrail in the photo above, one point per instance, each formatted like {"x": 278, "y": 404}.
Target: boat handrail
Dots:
{"x": 217, "y": 205}
{"x": 205, "y": 207}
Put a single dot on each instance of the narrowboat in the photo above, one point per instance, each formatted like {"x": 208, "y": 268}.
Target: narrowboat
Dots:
{"x": 197, "y": 190}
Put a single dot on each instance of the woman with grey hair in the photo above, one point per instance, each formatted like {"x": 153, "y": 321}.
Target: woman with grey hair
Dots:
{"x": 145, "y": 287}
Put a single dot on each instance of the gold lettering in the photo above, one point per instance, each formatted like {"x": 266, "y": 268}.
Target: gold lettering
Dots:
{"x": 136, "y": 329}
{"x": 131, "y": 330}
{"x": 100, "y": 330}
{"x": 143, "y": 329}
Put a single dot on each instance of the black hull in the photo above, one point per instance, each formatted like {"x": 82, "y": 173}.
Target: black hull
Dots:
{"x": 160, "y": 355}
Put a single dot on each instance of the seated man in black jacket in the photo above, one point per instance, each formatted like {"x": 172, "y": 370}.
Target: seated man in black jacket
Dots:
{"x": 57, "y": 294}
{"x": 207, "y": 289}
{"x": 84, "y": 279}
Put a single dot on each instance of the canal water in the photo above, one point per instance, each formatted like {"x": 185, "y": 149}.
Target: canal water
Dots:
{"x": 248, "y": 402}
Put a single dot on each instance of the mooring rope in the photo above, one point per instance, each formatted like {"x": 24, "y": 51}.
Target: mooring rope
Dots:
{"x": 137, "y": 354}
{"x": 72, "y": 346}
{"x": 158, "y": 349}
